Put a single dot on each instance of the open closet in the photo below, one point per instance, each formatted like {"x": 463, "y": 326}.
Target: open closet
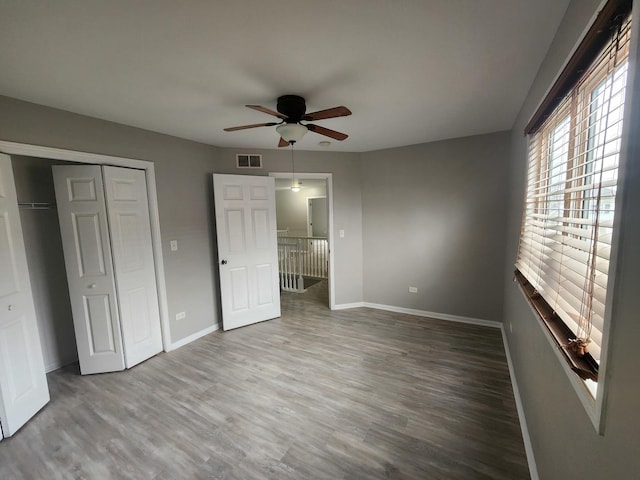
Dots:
{"x": 90, "y": 285}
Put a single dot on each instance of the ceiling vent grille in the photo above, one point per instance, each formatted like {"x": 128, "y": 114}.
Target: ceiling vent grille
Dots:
{"x": 245, "y": 160}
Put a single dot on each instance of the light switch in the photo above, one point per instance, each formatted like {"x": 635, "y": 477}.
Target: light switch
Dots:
{"x": 174, "y": 245}
{"x": 341, "y": 233}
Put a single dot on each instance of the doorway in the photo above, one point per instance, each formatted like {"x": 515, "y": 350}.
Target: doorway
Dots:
{"x": 104, "y": 286}
{"x": 304, "y": 249}
{"x": 61, "y": 347}
{"x": 15, "y": 407}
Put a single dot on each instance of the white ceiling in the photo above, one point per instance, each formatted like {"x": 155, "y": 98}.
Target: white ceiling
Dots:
{"x": 411, "y": 71}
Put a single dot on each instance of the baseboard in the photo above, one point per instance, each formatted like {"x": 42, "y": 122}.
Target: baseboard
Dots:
{"x": 345, "y": 306}
{"x": 50, "y": 367}
{"x": 183, "y": 341}
{"x": 436, "y": 315}
{"x": 528, "y": 447}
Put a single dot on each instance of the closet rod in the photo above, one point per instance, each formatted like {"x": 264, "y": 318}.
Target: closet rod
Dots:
{"x": 36, "y": 205}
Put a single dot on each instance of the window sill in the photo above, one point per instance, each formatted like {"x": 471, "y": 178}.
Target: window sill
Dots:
{"x": 584, "y": 366}
{"x": 590, "y": 394}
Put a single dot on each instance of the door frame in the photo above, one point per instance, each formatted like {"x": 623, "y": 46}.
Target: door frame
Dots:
{"x": 27, "y": 150}
{"x": 329, "y": 195}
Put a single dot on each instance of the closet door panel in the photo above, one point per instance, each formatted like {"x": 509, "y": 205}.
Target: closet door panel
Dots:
{"x": 23, "y": 383}
{"x": 87, "y": 253}
{"x": 128, "y": 210}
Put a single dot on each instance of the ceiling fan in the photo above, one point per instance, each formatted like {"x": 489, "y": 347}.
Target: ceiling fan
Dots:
{"x": 291, "y": 110}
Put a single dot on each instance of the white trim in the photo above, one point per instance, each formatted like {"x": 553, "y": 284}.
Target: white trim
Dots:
{"x": 183, "y": 341}
{"x": 526, "y": 438}
{"x": 329, "y": 193}
{"x": 53, "y": 366}
{"x": 27, "y": 150}
{"x": 435, "y": 315}
{"x": 587, "y": 401}
{"x": 628, "y": 155}
{"x": 346, "y": 306}
{"x": 24, "y": 149}
{"x": 421, "y": 313}
{"x": 154, "y": 217}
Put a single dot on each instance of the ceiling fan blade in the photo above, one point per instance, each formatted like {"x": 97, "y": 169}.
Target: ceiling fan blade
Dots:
{"x": 283, "y": 143}
{"x": 262, "y": 109}
{"x": 254, "y": 125}
{"x": 327, "y": 132}
{"x": 328, "y": 113}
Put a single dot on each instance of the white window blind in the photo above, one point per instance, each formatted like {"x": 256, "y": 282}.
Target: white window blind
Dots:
{"x": 565, "y": 238}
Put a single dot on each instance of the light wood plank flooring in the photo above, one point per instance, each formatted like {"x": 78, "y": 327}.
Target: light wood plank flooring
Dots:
{"x": 356, "y": 394}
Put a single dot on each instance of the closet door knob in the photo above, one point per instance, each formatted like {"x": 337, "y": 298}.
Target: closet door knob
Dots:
{"x": 223, "y": 262}
{"x": 10, "y": 308}
{"x": 93, "y": 285}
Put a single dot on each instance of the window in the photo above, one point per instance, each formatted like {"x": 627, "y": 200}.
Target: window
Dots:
{"x": 566, "y": 234}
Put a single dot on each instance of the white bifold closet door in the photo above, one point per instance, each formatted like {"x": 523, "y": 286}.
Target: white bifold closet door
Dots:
{"x": 106, "y": 236}
{"x": 23, "y": 383}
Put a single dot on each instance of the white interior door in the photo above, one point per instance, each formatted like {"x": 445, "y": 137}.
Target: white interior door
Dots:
{"x": 23, "y": 383}
{"x": 247, "y": 248}
{"x": 318, "y": 216}
{"x": 128, "y": 210}
{"x": 87, "y": 254}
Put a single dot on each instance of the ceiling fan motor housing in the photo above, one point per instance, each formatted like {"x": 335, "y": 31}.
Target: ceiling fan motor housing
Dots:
{"x": 292, "y": 106}
{"x": 291, "y": 111}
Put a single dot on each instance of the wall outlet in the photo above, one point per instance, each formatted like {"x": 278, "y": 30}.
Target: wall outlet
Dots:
{"x": 174, "y": 245}
{"x": 181, "y": 315}
{"x": 413, "y": 289}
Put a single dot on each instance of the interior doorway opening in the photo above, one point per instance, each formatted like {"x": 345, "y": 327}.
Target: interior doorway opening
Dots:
{"x": 304, "y": 220}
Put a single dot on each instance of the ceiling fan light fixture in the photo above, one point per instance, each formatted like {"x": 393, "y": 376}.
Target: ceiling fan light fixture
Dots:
{"x": 291, "y": 132}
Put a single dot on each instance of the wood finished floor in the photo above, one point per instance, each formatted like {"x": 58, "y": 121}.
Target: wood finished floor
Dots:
{"x": 355, "y": 394}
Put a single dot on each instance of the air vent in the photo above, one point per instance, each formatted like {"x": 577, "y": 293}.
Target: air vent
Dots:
{"x": 245, "y": 160}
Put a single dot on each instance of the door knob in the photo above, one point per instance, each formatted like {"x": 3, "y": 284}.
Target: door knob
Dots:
{"x": 10, "y": 308}
{"x": 223, "y": 262}
{"x": 93, "y": 285}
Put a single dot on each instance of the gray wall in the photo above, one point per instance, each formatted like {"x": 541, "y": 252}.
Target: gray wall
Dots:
{"x": 563, "y": 438}
{"x": 291, "y": 208}
{"x": 183, "y": 182}
{"x": 434, "y": 218}
{"x": 347, "y": 205}
{"x": 183, "y": 179}
{"x": 45, "y": 258}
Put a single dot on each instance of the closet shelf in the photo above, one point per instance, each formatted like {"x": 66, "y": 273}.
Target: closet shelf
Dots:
{"x": 36, "y": 205}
